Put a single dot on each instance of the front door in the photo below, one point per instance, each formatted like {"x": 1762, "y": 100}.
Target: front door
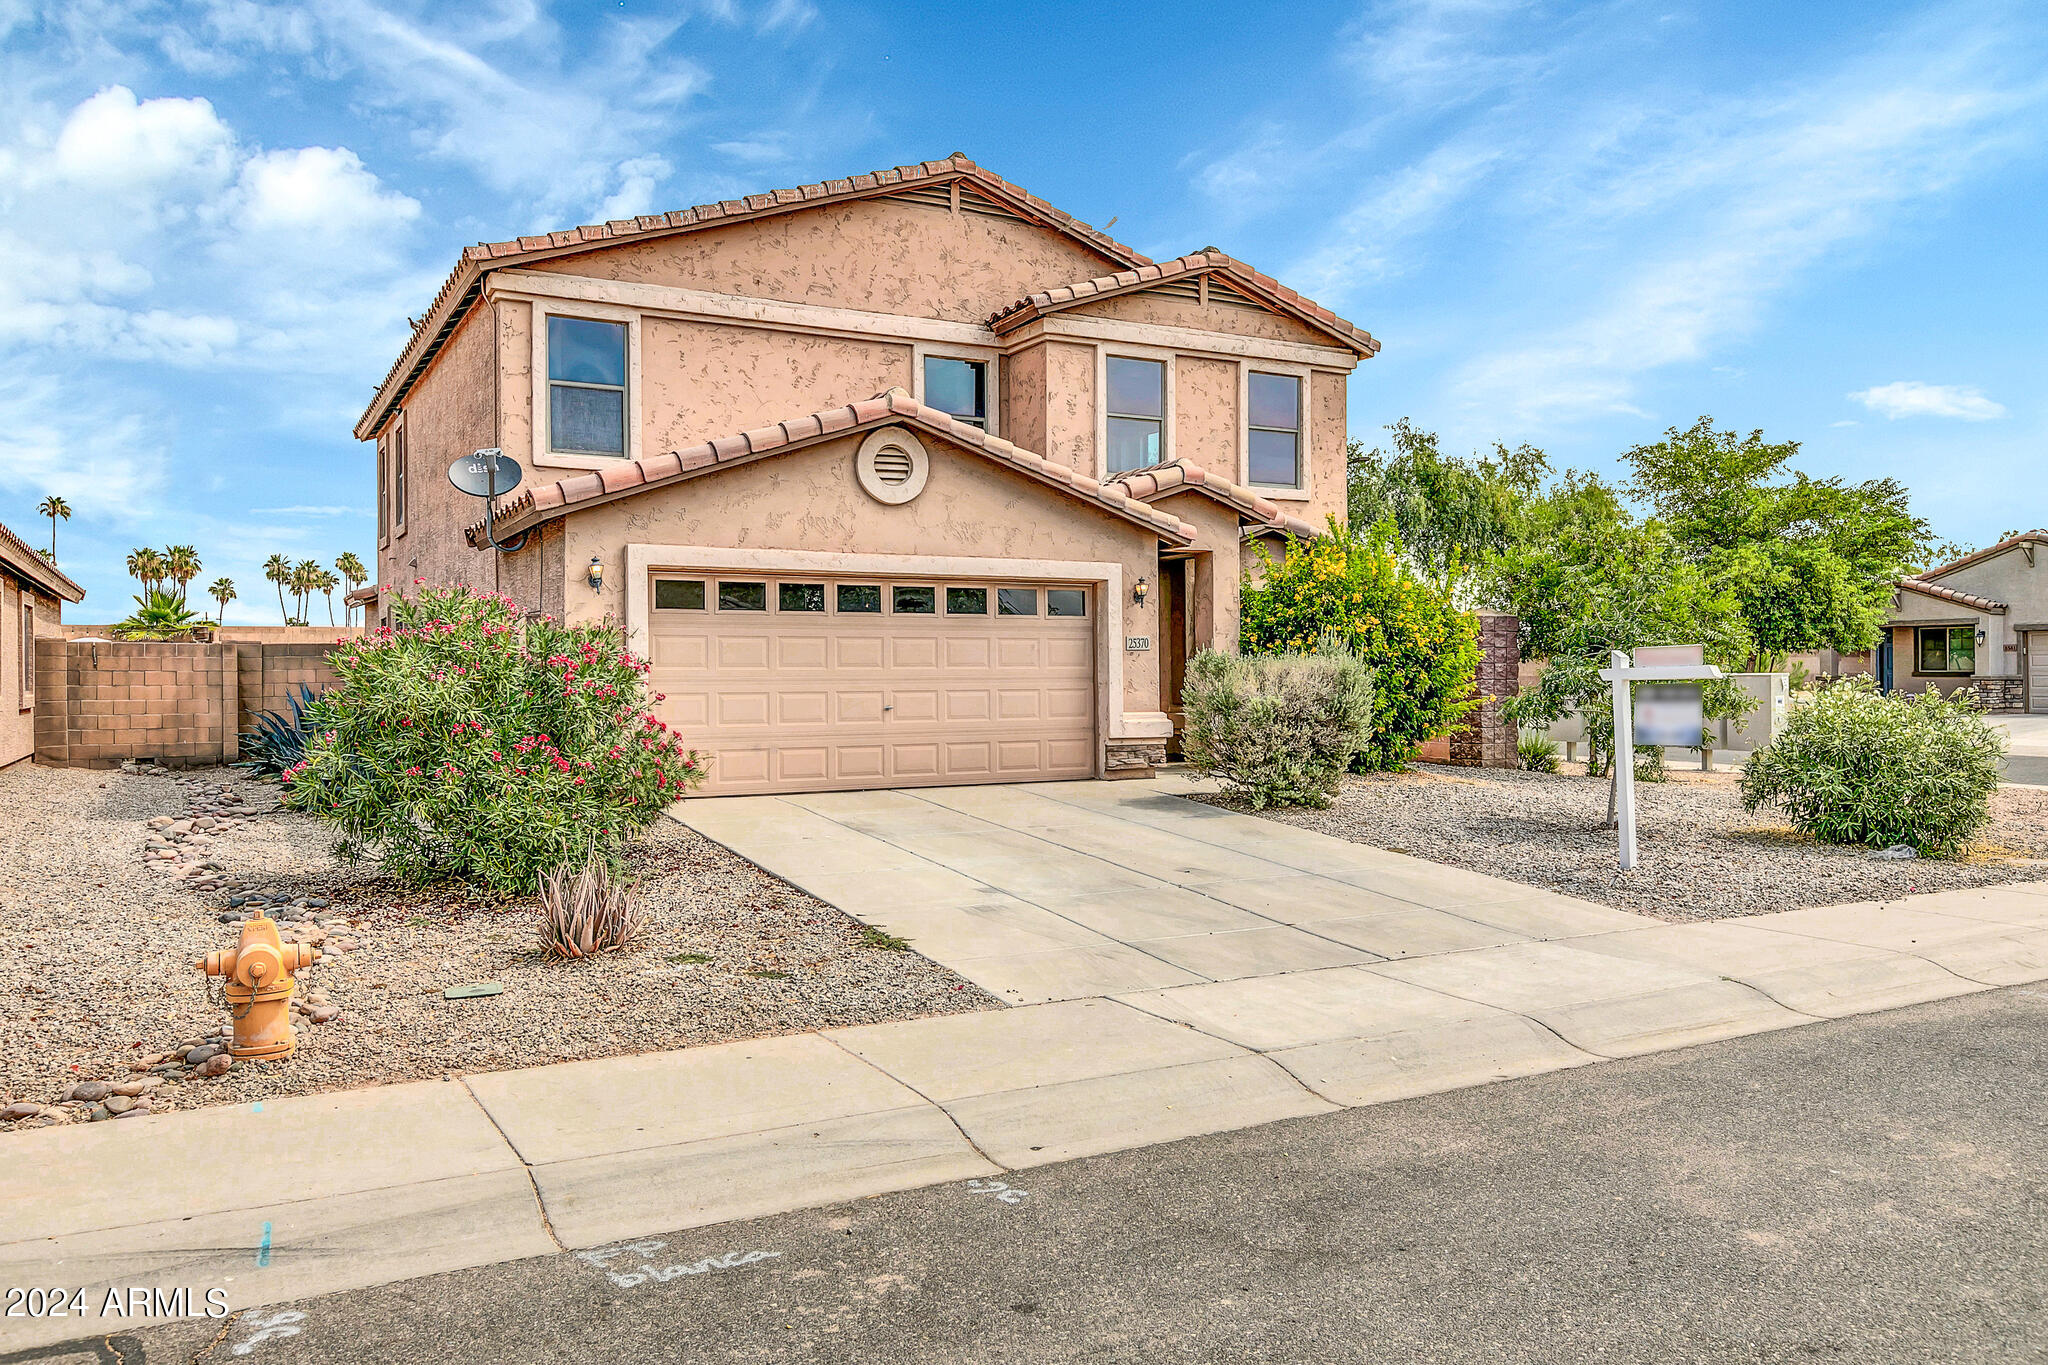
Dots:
{"x": 1173, "y": 643}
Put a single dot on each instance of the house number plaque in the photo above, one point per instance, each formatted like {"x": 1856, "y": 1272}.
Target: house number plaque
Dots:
{"x": 1137, "y": 644}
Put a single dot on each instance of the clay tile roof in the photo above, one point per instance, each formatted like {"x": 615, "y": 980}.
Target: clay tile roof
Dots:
{"x": 1208, "y": 260}
{"x": 26, "y": 563}
{"x": 1966, "y": 599}
{"x": 464, "y": 282}
{"x": 1164, "y": 480}
{"x": 530, "y": 506}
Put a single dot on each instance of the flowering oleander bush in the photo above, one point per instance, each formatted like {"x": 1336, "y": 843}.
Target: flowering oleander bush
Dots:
{"x": 463, "y": 741}
{"x": 1859, "y": 766}
{"x": 1353, "y": 587}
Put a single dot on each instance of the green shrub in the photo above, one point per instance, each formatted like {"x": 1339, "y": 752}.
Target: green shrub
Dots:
{"x": 1857, "y": 766}
{"x": 463, "y": 741}
{"x": 1279, "y": 728}
{"x": 1423, "y": 651}
{"x": 1537, "y": 751}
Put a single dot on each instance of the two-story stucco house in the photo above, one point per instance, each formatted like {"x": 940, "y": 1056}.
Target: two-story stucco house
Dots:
{"x": 1980, "y": 621}
{"x": 904, "y": 479}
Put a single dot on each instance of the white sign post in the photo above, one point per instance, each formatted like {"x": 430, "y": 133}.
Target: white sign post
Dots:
{"x": 1624, "y": 674}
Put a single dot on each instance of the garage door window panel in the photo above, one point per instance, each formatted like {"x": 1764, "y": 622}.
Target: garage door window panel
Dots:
{"x": 742, "y": 596}
{"x": 908, "y": 600}
{"x": 679, "y": 594}
{"x": 860, "y": 599}
{"x": 1016, "y": 601}
{"x": 1066, "y": 602}
{"x": 967, "y": 601}
{"x": 800, "y": 597}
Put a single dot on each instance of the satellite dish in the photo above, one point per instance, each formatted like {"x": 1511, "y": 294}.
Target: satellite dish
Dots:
{"x": 486, "y": 474}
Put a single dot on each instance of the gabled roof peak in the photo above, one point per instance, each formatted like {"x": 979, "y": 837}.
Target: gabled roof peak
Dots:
{"x": 1209, "y": 260}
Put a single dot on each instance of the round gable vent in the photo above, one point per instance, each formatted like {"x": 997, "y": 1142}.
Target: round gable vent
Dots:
{"x": 892, "y": 465}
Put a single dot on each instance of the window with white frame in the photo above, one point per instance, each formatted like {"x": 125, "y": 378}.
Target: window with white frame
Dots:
{"x": 586, "y": 386}
{"x": 1273, "y": 435}
{"x": 398, "y": 479}
{"x": 958, "y": 388}
{"x": 1135, "y": 411}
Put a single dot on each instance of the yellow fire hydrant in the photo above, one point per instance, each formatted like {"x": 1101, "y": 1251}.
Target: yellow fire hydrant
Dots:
{"x": 259, "y": 988}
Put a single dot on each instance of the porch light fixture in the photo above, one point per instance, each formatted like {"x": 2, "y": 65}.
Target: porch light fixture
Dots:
{"x": 595, "y": 573}
{"x": 1138, "y": 591}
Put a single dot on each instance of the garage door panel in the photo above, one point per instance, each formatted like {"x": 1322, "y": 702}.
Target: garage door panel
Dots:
{"x": 788, "y": 701}
{"x": 802, "y": 708}
{"x": 857, "y": 651}
{"x": 740, "y": 651}
{"x": 802, "y": 651}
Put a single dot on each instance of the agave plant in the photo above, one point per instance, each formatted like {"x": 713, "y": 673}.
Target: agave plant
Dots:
{"x": 586, "y": 912}
{"x": 276, "y": 743}
{"x": 159, "y": 616}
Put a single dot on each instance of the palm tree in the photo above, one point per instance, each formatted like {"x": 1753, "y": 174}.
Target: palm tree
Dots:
{"x": 277, "y": 569}
{"x": 55, "y": 508}
{"x": 223, "y": 592}
{"x": 147, "y": 566}
{"x": 306, "y": 582}
{"x": 352, "y": 573}
{"x": 181, "y": 566}
{"x": 328, "y": 583}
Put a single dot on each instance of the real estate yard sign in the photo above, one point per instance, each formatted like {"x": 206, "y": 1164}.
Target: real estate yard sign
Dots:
{"x": 1659, "y": 667}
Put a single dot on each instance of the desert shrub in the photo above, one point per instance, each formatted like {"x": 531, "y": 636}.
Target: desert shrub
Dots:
{"x": 1281, "y": 729}
{"x": 1355, "y": 587}
{"x": 463, "y": 741}
{"x": 587, "y": 911}
{"x": 1537, "y": 752}
{"x": 1857, "y": 766}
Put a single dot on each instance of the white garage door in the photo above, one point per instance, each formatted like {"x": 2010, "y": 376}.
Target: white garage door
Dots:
{"x": 817, "y": 684}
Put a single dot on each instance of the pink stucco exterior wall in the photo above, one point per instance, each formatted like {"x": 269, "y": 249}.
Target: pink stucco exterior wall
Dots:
{"x": 1205, "y": 416}
{"x": 704, "y": 380}
{"x": 1164, "y": 310}
{"x": 878, "y": 255}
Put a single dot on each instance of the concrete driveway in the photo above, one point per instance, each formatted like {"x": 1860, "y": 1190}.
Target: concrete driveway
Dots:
{"x": 1064, "y": 891}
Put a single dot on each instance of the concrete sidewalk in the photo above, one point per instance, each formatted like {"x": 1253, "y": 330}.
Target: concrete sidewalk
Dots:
{"x": 298, "y": 1197}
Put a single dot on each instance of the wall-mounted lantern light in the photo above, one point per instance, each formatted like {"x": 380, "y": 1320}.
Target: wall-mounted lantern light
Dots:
{"x": 595, "y": 573}
{"x": 1138, "y": 591}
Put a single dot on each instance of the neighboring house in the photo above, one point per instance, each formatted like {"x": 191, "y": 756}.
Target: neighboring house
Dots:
{"x": 1980, "y": 621}
{"x": 32, "y": 597}
{"x": 904, "y": 479}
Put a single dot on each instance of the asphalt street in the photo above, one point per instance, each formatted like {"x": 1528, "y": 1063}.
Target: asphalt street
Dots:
{"x": 2028, "y": 769}
{"x": 1864, "y": 1191}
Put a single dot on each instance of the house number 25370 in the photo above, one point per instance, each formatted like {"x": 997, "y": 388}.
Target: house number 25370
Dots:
{"x": 1137, "y": 643}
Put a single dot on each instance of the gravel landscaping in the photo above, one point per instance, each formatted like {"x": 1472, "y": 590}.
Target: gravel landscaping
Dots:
{"x": 105, "y": 915}
{"x": 1701, "y": 856}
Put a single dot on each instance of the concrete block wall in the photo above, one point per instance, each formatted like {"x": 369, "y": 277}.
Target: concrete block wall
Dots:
{"x": 181, "y": 703}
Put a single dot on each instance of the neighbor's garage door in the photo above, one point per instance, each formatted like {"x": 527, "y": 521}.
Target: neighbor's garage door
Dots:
{"x": 815, "y": 684}
{"x": 2037, "y": 671}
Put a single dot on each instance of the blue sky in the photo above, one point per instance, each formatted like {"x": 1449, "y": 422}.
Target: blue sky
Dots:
{"x": 1573, "y": 225}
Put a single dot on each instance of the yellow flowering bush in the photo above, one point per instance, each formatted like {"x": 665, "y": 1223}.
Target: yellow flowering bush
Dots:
{"x": 1355, "y": 589}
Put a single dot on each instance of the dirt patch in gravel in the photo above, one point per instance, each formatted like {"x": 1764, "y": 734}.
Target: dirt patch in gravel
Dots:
{"x": 98, "y": 969}
{"x": 1701, "y": 855}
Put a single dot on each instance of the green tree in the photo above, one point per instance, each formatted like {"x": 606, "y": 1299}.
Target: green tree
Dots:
{"x": 352, "y": 572}
{"x": 277, "y": 569}
{"x": 181, "y": 566}
{"x": 1810, "y": 561}
{"x": 1448, "y": 512}
{"x": 328, "y": 582}
{"x": 158, "y": 615}
{"x": 223, "y": 592}
{"x": 1596, "y": 586}
{"x": 1354, "y": 587}
{"x": 146, "y": 566}
{"x": 56, "y": 509}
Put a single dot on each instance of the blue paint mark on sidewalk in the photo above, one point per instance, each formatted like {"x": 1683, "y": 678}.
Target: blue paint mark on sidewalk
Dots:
{"x": 258, "y": 1107}
{"x": 263, "y": 1251}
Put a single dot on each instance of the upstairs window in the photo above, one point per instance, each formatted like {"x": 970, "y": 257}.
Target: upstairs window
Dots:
{"x": 1274, "y": 440}
{"x": 1136, "y": 413}
{"x": 398, "y": 471}
{"x": 957, "y": 387}
{"x": 586, "y": 386}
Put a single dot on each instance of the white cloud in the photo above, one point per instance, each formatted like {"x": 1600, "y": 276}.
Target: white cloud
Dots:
{"x": 117, "y": 145}
{"x": 53, "y": 440}
{"x": 639, "y": 179}
{"x": 322, "y": 196}
{"x": 1910, "y": 398}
